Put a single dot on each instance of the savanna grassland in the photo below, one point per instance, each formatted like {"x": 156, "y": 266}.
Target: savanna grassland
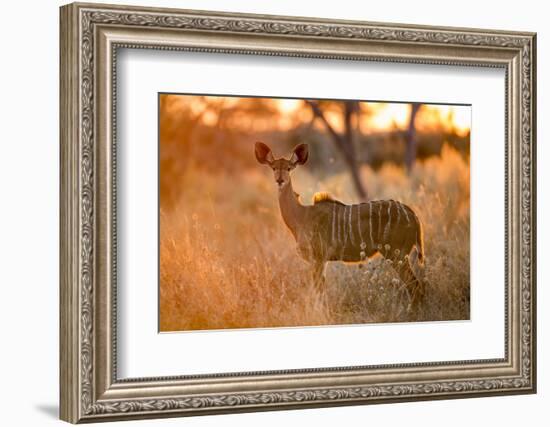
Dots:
{"x": 227, "y": 260}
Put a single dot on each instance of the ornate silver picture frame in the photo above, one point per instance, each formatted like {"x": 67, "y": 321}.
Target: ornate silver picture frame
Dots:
{"x": 91, "y": 35}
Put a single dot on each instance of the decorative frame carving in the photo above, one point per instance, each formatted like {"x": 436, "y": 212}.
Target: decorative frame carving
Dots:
{"x": 90, "y": 36}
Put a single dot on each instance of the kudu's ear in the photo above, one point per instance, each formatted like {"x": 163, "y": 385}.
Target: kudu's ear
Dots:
{"x": 300, "y": 154}
{"x": 263, "y": 153}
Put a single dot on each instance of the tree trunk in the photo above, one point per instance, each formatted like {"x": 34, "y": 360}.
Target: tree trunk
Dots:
{"x": 410, "y": 152}
{"x": 345, "y": 142}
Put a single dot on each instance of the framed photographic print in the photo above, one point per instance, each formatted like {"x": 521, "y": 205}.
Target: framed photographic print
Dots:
{"x": 264, "y": 212}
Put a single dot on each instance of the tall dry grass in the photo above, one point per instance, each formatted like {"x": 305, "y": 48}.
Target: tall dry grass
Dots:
{"x": 227, "y": 259}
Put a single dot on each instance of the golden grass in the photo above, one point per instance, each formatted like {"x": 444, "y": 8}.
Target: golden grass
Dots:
{"x": 227, "y": 259}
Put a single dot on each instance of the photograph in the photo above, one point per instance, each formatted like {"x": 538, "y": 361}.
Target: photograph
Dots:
{"x": 286, "y": 212}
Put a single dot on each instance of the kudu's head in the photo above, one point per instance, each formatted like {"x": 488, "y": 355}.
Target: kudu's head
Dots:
{"x": 281, "y": 167}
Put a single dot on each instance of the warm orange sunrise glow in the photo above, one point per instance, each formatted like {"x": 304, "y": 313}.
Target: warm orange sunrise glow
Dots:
{"x": 288, "y": 106}
{"x": 449, "y": 117}
{"x": 230, "y": 254}
{"x": 288, "y": 113}
{"x": 387, "y": 116}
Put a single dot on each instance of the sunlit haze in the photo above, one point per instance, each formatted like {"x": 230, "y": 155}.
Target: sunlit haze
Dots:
{"x": 285, "y": 114}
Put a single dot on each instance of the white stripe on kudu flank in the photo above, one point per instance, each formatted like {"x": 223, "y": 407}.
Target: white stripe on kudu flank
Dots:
{"x": 406, "y": 214}
{"x": 398, "y": 213}
{"x": 370, "y": 226}
{"x": 352, "y": 237}
{"x": 338, "y": 225}
{"x": 379, "y": 234}
{"x": 333, "y": 222}
{"x": 359, "y": 223}
{"x": 388, "y": 225}
{"x": 336, "y": 219}
{"x": 345, "y": 225}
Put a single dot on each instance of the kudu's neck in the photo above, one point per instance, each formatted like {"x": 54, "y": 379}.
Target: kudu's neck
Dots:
{"x": 292, "y": 210}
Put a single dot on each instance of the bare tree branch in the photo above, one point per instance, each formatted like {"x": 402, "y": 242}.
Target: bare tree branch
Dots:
{"x": 344, "y": 143}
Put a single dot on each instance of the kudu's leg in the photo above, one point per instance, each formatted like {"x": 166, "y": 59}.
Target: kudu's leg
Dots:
{"x": 414, "y": 285}
{"x": 318, "y": 275}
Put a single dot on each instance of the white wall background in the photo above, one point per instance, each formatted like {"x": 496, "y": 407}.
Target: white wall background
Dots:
{"x": 29, "y": 171}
